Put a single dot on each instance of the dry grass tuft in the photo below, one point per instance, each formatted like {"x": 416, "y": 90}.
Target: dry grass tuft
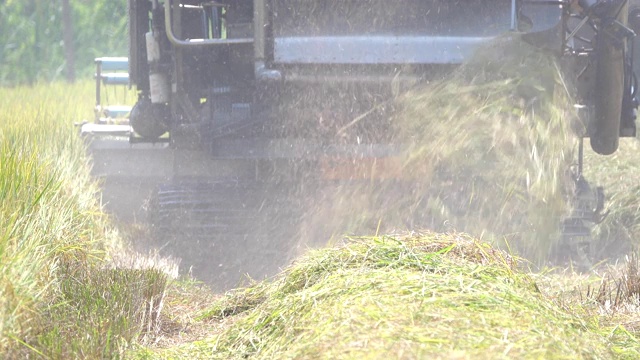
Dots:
{"x": 619, "y": 288}
{"x": 632, "y": 277}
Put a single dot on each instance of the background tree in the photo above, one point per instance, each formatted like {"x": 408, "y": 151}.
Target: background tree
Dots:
{"x": 67, "y": 36}
{"x": 32, "y": 42}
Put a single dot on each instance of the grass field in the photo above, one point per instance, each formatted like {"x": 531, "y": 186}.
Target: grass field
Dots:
{"x": 420, "y": 295}
{"x": 60, "y": 297}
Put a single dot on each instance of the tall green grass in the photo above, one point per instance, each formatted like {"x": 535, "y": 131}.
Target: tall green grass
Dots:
{"x": 59, "y": 298}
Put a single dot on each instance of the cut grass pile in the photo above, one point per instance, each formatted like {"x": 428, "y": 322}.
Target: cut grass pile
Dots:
{"x": 59, "y": 296}
{"x": 422, "y": 296}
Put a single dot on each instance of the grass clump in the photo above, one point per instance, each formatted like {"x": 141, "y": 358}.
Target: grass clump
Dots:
{"x": 59, "y": 295}
{"x": 425, "y": 296}
{"x": 104, "y": 311}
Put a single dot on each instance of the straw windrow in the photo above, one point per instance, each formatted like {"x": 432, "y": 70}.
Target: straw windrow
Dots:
{"x": 425, "y": 296}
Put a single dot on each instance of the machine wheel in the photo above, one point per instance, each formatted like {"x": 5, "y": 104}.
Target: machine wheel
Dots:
{"x": 149, "y": 120}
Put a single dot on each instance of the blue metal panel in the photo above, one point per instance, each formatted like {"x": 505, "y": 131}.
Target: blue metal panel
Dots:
{"x": 117, "y": 111}
{"x": 113, "y": 63}
{"x": 374, "y": 49}
{"x": 115, "y": 79}
{"x": 394, "y": 32}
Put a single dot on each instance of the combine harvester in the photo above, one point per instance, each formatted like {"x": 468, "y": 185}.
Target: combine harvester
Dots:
{"x": 205, "y": 143}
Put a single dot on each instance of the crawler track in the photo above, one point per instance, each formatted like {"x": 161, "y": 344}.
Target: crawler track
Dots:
{"x": 224, "y": 230}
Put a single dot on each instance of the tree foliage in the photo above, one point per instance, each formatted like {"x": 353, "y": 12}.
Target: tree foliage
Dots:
{"x": 31, "y": 45}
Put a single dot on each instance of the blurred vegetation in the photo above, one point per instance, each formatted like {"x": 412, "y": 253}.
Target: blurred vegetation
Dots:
{"x": 62, "y": 294}
{"x": 31, "y": 45}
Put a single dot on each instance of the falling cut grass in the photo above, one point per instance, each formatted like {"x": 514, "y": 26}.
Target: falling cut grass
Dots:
{"x": 486, "y": 150}
{"x": 424, "y": 296}
{"x": 492, "y": 146}
{"x": 59, "y": 298}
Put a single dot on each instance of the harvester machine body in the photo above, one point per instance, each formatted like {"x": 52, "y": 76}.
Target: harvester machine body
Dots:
{"x": 215, "y": 62}
{"x": 215, "y": 79}
{"x": 209, "y": 75}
